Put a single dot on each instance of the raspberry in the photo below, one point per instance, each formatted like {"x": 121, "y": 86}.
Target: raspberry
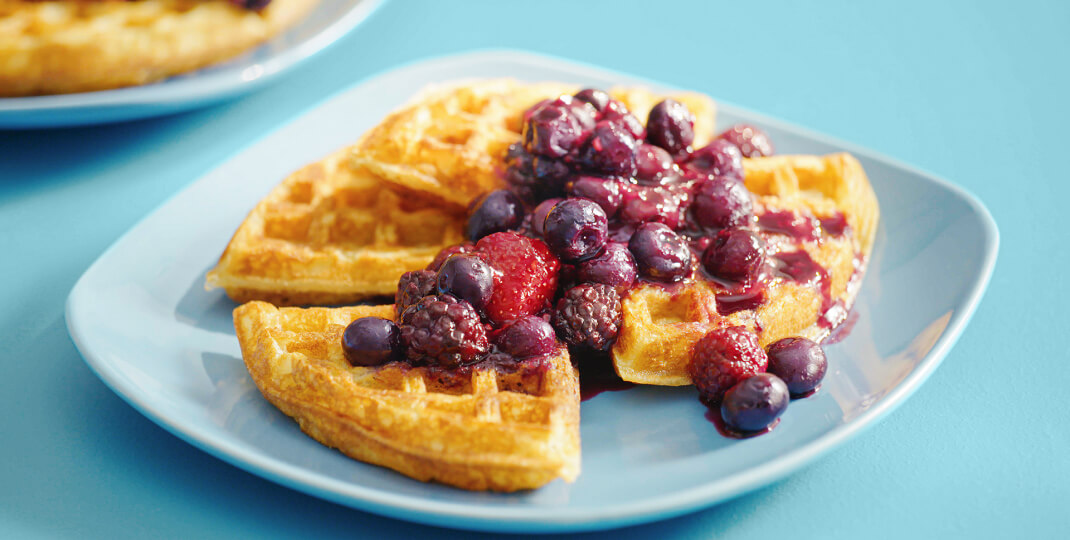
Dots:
{"x": 589, "y": 315}
{"x": 411, "y": 288}
{"x": 525, "y": 277}
{"x": 443, "y": 331}
{"x": 722, "y": 358}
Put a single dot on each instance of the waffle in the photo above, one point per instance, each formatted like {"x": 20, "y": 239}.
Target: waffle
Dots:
{"x": 487, "y": 430}
{"x": 661, "y": 324}
{"x": 447, "y": 144}
{"x": 58, "y": 47}
{"x": 330, "y": 233}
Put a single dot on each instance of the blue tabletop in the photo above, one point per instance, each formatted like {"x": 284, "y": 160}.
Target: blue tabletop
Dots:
{"x": 973, "y": 92}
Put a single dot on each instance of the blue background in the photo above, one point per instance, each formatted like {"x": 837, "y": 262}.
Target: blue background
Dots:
{"x": 974, "y": 92}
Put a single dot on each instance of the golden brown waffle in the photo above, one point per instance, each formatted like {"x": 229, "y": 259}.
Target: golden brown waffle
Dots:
{"x": 332, "y": 233}
{"x": 661, "y": 324}
{"x": 448, "y": 144}
{"x": 328, "y": 234}
{"x": 487, "y": 430}
{"x": 57, "y": 47}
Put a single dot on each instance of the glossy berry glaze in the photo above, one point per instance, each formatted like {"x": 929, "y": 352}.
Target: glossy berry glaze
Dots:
{"x": 596, "y": 205}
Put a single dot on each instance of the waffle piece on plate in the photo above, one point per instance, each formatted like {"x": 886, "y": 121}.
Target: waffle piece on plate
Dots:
{"x": 481, "y": 428}
{"x": 448, "y": 143}
{"x": 818, "y": 217}
{"x": 331, "y": 233}
{"x": 65, "y": 46}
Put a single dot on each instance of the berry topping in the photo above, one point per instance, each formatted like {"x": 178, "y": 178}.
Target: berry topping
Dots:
{"x": 755, "y": 403}
{"x": 551, "y": 130}
{"x": 721, "y": 203}
{"x": 615, "y": 112}
{"x": 538, "y": 216}
{"x": 443, "y": 331}
{"x": 597, "y": 98}
{"x": 589, "y": 315}
{"x": 576, "y": 229}
{"x": 735, "y": 255}
{"x": 604, "y": 191}
{"x": 614, "y": 267}
{"x": 496, "y": 211}
{"x": 751, "y": 141}
{"x": 719, "y": 158}
{"x": 526, "y": 336}
{"x": 371, "y": 341}
{"x": 467, "y": 277}
{"x": 525, "y": 279}
{"x": 799, "y": 362}
{"x": 448, "y": 252}
{"x": 660, "y": 253}
{"x": 610, "y": 149}
{"x": 585, "y": 113}
{"x": 671, "y": 126}
{"x": 722, "y": 358}
{"x": 653, "y": 164}
{"x": 412, "y": 287}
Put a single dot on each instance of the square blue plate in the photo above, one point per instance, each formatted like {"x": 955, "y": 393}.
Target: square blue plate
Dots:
{"x": 144, "y": 323}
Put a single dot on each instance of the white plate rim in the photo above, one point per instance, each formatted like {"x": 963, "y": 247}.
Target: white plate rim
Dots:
{"x": 565, "y": 519}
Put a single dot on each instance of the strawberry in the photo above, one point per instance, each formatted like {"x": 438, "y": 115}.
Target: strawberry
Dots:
{"x": 525, "y": 277}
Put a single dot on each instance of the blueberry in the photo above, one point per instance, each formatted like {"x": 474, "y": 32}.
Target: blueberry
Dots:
{"x": 614, "y": 267}
{"x": 616, "y": 113}
{"x": 660, "y": 253}
{"x": 467, "y": 277}
{"x": 538, "y": 216}
{"x": 719, "y": 158}
{"x": 610, "y": 149}
{"x": 647, "y": 203}
{"x": 585, "y": 113}
{"x": 576, "y": 229}
{"x": 597, "y": 98}
{"x": 527, "y": 336}
{"x": 722, "y": 203}
{"x": 752, "y": 142}
{"x": 671, "y": 126}
{"x": 551, "y": 130}
{"x": 735, "y": 255}
{"x": 754, "y": 403}
{"x": 550, "y": 176}
{"x": 799, "y": 362}
{"x": 496, "y": 211}
{"x": 371, "y": 341}
{"x": 604, "y": 191}
{"x": 653, "y": 164}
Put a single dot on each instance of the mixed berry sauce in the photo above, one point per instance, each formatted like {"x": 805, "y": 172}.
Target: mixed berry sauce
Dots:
{"x": 596, "y": 205}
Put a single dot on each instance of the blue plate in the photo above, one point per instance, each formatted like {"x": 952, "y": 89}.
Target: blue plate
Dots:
{"x": 144, "y": 323}
{"x": 327, "y": 22}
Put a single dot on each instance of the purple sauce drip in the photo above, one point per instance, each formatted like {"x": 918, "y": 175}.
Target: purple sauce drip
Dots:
{"x": 597, "y": 375}
{"x": 713, "y": 414}
{"x": 834, "y": 225}
{"x": 791, "y": 224}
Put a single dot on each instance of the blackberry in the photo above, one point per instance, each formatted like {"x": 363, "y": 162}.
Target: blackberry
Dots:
{"x": 412, "y": 287}
{"x": 442, "y": 330}
{"x": 589, "y": 315}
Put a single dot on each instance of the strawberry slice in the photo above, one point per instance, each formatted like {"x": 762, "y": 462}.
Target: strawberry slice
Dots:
{"x": 525, "y": 278}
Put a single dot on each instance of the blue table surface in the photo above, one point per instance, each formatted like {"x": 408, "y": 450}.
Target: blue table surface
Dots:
{"x": 974, "y": 92}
